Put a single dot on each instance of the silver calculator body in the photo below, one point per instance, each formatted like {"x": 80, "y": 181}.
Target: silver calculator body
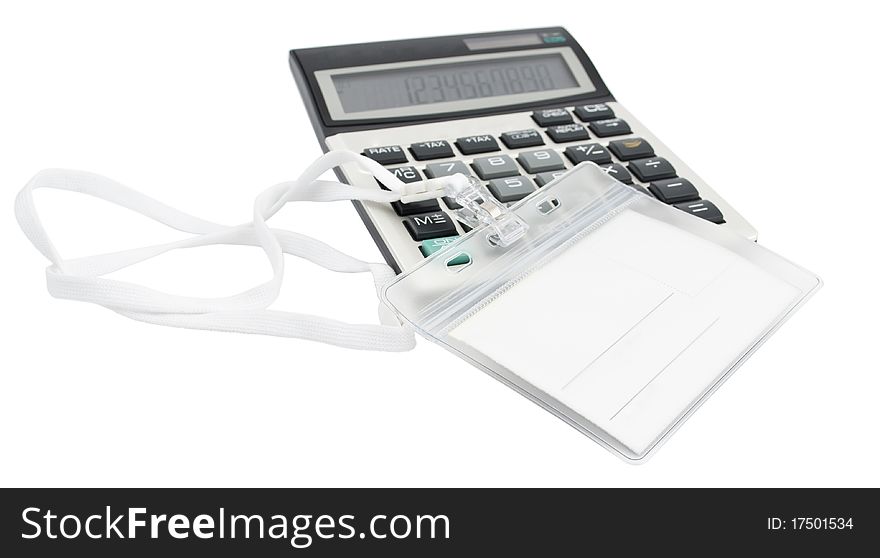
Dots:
{"x": 515, "y": 109}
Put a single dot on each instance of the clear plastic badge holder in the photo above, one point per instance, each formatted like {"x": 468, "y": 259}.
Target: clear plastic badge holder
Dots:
{"x": 612, "y": 310}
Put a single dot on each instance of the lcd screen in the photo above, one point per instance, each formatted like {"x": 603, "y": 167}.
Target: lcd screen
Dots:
{"x": 451, "y": 82}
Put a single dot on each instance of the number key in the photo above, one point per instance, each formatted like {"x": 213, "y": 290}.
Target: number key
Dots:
{"x": 510, "y": 189}
{"x": 435, "y": 170}
{"x": 497, "y": 166}
{"x": 541, "y": 161}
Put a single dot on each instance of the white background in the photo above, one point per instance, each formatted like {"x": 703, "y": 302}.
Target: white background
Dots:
{"x": 774, "y": 104}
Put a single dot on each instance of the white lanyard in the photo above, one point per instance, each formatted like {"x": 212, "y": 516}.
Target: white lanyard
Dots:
{"x": 245, "y": 312}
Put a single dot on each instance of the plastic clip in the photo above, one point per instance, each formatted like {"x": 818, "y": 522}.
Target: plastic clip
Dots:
{"x": 479, "y": 207}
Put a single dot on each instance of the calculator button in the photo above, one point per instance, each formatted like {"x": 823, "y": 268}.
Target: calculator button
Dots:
{"x": 588, "y": 113}
{"x": 428, "y": 247}
{"x": 435, "y": 170}
{"x": 472, "y": 145}
{"x": 619, "y": 172}
{"x": 568, "y": 132}
{"x": 425, "y": 150}
{"x": 406, "y": 174}
{"x": 544, "y": 178}
{"x": 522, "y": 138}
{"x": 386, "y": 155}
{"x": 608, "y": 128}
{"x": 429, "y": 225}
{"x": 496, "y": 166}
{"x": 452, "y": 204}
{"x": 632, "y": 148}
{"x": 511, "y": 189}
{"x": 540, "y": 161}
{"x": 588, "y": 152}
{"x": 654, "y": 168}
{"x": 674, "y": 190}
{"x": 552, "y": 117}
{"x": 702, "y": 208}
{"x": 410, "y": 174}
{"x": 411, "y": 208}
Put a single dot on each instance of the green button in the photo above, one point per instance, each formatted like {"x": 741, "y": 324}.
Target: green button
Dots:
{"x": 428, "y": 247}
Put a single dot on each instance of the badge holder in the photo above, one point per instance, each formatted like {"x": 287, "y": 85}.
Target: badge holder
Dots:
{"x": 612, "y": 310}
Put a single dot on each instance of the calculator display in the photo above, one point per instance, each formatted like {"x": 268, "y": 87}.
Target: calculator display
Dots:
{"x": 452, "y": 82}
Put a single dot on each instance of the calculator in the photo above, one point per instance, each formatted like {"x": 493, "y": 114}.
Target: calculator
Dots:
{"x": 514, "y": 109}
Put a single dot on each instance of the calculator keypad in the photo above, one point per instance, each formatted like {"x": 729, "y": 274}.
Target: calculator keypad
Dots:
{"x": 529, "y": 159}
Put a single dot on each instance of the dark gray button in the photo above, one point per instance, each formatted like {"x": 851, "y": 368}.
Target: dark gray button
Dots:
{"x": 702, "y": 208}
{"x": 674, "y": 190}
{"x": 472, "y": 145}
{"x": 386, "y": 155}
{"x": 496, "y": 166}
{"x": 437, "y": 149}
{"x": 545, "y": 177}
{"x": 430, "y": 225}
{"x": 588, "y": 113}
{"x": 608, "y": 128}
{"x": 409, "y": 174}
{"x": 511, "y": 189}
{"x": 522, "y": 138}
{"x": 631, "y": 148}
{"x": 540, "y": 161}
{"x": 618, "y": 172}
{"x": 568, "y": 132}
{"x": 588, "y": 152}
{"x": 651, "y": 169}
{"x": 552, "y": 117}
{"x": 434, "y": 170}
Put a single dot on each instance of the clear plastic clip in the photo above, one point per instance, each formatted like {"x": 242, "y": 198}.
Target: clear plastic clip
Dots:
{"x": 479, "y": 207}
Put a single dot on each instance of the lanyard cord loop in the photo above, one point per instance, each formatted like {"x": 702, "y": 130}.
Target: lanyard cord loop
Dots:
{"x": 245, "y": 312}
